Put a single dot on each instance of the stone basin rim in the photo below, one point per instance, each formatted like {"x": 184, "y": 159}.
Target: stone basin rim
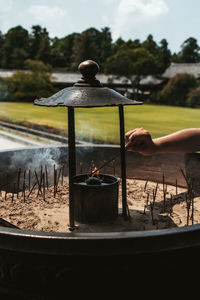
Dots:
{"x": 108, "y": 243}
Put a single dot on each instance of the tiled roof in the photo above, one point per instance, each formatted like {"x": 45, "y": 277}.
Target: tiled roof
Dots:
{"x": 69, "y": 78}
{"x": 175, "y": 68}
{"x": 72, "y": 77}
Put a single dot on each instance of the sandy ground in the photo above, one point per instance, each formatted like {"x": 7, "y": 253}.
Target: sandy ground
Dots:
{"x": 166, "y": 210}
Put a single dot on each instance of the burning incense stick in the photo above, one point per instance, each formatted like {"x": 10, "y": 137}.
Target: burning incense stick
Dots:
{"x": 18, "y": 181}
{"x": 152, "y": 216}
{"x": 43, "y": 178}
{"x": 54, "y": 181}
{"x": 154, "y": 196}
{"x": 110, "y": 160}
{"x": 62, "y": 175}
{"x": 39, "y": 188}
{"x": 31, "y": 189}
{"x": 171, "y": 204}
{"x": 147, "y": 201}
{"x": 29, "y": 180}
{"x": 164, "y": 200}
{"x": 47, "y": 181}
{"x": 184, "y": 176}
{"x": 163, "y": 182}
{"x": 107, "y": 162}
{"x": 58, "y": 178}
{"x": 145, "y": 186}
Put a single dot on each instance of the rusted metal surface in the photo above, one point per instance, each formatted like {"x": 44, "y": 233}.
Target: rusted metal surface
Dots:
{"x": 86, "y": 97}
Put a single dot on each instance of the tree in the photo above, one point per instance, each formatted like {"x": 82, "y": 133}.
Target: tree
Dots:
{"x": 175, "y": 92}
{"x": 164, "y": 55}
{"x": 138, "y": 62}
{"x": 26, "y": 86}
{"x": 190, "y": 51}
{"x": 40, "y": 44}
{"x": 116, "y": 46}
{"x": 132, "y": 63}
{"x": 105, "y": 43}
{"x": 15, "y": 48}
{"x": 85, "y": 47}
{"x": 161, "y": 53}
{"x": 150, "y": 45}
{"x": 62, "y": 50}
{"x": 1, "y": 45}
{"x": 92, "y": 44}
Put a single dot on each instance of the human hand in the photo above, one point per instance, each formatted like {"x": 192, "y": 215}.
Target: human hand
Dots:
{"x": 139, "y": 140}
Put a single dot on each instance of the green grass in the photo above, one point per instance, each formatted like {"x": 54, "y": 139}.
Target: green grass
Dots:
{"x": 103, "y": 123}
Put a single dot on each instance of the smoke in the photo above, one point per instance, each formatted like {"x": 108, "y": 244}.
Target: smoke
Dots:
{"x": 31, "y": 160}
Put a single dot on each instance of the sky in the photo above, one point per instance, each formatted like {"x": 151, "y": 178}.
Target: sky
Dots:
{"x": 174, "y": 20}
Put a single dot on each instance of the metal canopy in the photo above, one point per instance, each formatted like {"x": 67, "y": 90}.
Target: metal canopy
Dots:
{"x": 87, "y": 92}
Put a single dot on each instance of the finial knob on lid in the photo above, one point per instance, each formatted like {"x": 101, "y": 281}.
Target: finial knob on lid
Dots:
{"x": 88, "y": 69}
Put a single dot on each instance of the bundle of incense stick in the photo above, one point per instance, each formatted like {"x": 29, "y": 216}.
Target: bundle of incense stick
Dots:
{"x": 107, "y": 162}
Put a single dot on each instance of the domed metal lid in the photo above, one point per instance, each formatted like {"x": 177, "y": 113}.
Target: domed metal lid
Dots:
{"x": 87, "y": 92}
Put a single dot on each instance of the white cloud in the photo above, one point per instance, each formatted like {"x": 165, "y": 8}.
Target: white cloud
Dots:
{"x": 47, "y": 13}
{"x": 130, "y": 14}
{"x": 5, "y": 6}
{"x": 54, "y": 18}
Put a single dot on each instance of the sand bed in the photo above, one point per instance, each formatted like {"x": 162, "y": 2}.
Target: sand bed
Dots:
{"x": 146, "y": 212}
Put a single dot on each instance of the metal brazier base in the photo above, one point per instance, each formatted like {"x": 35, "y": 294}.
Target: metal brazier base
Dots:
{"x": 95, "y": 203}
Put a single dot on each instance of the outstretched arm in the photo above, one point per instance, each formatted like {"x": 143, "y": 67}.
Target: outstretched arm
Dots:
{"x": 183, "y": 141}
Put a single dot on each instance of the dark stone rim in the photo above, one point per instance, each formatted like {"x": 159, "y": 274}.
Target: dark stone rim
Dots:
{"x": 110, "y": 243}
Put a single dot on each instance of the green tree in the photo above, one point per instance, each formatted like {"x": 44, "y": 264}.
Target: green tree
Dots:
{"x": 15, "y": 48}
{"x": 122, "y": 45}
{"x": 62, "y": 51}
{"x": 160, "y": 52}
{"x": 175, "y": 92}
{"x": 1, "y": 45}
{"x": 132, "y": 63}
{"x": 92, "y": 44}
{"x": 85, "y": 47}
{"x": 117, "y": 45}
{"x": 40, "y": 47}
{"x": 105, "y": 43}
{"x": 164, "y": 56}
{"x": 26, "y": 86}
{"x": 138, "y": 62}
{"x": 190, "y": 51}
{"x": 150, "y": 45}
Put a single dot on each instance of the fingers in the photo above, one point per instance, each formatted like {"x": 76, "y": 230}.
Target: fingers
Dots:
{"x": 138, "y": 140}
{"x": 135, "y": 135}
{"x": 130, "y": 134}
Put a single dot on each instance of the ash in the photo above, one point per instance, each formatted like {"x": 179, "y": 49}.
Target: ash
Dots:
{"x": 151, "y": 206}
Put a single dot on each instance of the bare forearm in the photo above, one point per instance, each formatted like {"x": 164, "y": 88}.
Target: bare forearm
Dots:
{"x": 183, "y": 141}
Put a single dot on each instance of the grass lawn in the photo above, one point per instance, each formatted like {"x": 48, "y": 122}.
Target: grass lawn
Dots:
{"x": 103, "y": 123}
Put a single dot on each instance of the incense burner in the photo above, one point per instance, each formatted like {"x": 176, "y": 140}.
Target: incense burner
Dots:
{"x": 47, "y": 265}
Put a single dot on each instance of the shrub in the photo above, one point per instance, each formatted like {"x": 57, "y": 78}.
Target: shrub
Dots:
{"x": 26, "y": 86}
{"x": 176, "y": 90}
{"x": 193, "y": 99}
